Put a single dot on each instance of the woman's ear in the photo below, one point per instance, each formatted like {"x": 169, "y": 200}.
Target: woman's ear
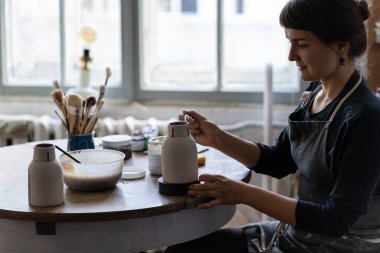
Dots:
{"x": 342, "y": 48}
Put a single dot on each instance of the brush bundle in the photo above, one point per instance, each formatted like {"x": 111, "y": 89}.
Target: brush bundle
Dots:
{"x": 79, "y": 115}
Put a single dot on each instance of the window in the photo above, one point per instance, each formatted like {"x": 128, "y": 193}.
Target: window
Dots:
{"x": 223, "y": 47}
{"x": 157, "y": 49}
{"x": 44, "y": 44}
{"x": 32, "y": 41}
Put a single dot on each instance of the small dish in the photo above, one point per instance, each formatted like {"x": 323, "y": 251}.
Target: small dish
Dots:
{"x": 130, "y": 172}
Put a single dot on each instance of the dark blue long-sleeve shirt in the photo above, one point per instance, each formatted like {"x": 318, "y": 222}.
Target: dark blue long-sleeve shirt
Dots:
{"x": 353, "y": 158}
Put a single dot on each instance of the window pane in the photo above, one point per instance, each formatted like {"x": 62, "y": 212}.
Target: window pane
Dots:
{"x": 239, "y": 6}
{"x": 189, "y": 6}
{"x": 32, "y": 41}
{"x": 95, "y": 25}
{"x": 179, "y": 48}
{"x": 253, "y": 38}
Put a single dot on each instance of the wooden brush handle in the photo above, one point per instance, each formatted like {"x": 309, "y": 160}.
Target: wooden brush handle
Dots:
{"x": 90, "y": 124}
{"x": 84, "y": 123}
{"x": 76, "y": 121}
{"x": 63, "y": 122}
{"x": 71, "y": 118}
{"x": 93, "y": 120}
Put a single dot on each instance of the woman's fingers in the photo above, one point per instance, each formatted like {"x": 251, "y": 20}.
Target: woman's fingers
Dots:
{"x": 194, "y": 115}
{"x": 214, "y": 195}
{"x": 211, "y": 178}
{"x": 194, "y": 131}
{"x": 202, "y": 193}
{"x": 210, "y": 189}
{"x": 212, "y": 203}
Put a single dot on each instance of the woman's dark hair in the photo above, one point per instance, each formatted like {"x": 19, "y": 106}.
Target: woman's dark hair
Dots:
{"x": 330, "y": 20}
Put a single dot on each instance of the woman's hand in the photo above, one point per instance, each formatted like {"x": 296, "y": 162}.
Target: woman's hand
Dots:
{"x": 209, "y": 134}
{"x": 225, "y": 191}
{"x": 222, "y": 190}
{"x": 204, "y": 131}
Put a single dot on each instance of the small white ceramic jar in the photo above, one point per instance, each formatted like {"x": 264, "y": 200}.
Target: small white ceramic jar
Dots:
{"x": 138, "y": 141}
{"x": 45, "y": 177}
{"x": 154, "y": 155}
{"x": 122, "y": 143}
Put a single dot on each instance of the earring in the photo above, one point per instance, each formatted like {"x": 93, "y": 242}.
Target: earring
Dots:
{"x": 342, "y": 61}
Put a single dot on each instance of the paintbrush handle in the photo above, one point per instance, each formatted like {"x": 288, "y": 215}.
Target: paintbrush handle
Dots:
{"x": 63, "y": 151}
{"x": 94, "y": 119}
{"x": 71, "y": 118}
{"x": 63, "y": 122}
{"x": 64, "y": 111}
{"x": 90, "y": 125}
{"x": 76, "y": 121}
{"x": 84, "y": 123}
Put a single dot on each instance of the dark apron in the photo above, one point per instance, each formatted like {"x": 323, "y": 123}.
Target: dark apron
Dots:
{"x": 308, "y": 148}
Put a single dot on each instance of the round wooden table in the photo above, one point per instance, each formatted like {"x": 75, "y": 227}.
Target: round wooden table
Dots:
{"x": 131, "y": 217}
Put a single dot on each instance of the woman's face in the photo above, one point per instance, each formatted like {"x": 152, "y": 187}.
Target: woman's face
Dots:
{"x": 314, "y": 59}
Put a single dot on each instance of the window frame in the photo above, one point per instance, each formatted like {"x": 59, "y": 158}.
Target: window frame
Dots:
{"x": 132, "y": 66}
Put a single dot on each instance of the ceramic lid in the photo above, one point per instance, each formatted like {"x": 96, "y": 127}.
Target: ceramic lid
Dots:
{"x": 116, "y": 140}
{"x": 130, "y": 172}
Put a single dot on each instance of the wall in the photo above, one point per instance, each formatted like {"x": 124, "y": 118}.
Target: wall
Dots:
{"x": 373, "y": 52}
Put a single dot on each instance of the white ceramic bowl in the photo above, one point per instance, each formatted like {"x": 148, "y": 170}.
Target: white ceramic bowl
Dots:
{"x": 100, "y": 169}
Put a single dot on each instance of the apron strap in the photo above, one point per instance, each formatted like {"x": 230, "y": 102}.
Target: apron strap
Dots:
{"x": 306, "y": 96}
{"x": 345, "y": 98}
{"x": 260, "y": 245}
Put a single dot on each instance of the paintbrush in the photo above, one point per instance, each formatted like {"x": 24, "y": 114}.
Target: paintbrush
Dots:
{"x": 62, "y": 120}
{"x": 94, "y": 118}
{"x": 102, "y": 90}
{"x": 89, "y": 102}
{"x": 63, "y": 151}
{"x": 102, "y": 102}
{"x": 108, "y": 74}
{"x": 77, "y": 119}
{"x": 74, "y": 102}
{"x": 58, "y": 98}
{"x": 56, "y": 85}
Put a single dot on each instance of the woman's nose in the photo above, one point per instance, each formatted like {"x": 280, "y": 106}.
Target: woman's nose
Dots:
{"x": 292, "y": 55}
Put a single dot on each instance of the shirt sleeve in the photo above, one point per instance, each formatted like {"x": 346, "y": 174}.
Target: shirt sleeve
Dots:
{"x": 276, "y": 160}
{"x": 356, "y": 166}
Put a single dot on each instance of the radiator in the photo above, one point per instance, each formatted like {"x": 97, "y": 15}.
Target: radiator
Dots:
{"x": 15, "y": 129}
{"x": 23, "y": 128}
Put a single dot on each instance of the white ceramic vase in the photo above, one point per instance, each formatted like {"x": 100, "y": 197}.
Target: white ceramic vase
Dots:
{"x": 179, "y": 155}
{"x": 45, "y": 177}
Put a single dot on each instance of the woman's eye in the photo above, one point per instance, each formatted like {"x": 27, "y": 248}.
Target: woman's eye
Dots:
{"x": 302, "y": 45}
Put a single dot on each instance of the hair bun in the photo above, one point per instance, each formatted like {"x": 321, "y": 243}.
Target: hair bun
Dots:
{"x": 363, "y": 8}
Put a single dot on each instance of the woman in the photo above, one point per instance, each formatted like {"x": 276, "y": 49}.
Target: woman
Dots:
{"x": 333, "y": 141}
